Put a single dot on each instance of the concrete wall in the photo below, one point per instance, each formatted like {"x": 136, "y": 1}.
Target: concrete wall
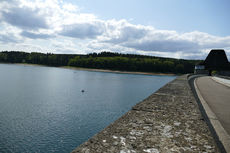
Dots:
{"x": 167, "y": 121}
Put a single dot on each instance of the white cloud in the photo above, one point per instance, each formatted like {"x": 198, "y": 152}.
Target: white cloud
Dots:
{"x": 147, "y": 38}
{"x": 83, "y": 30}
{"x": 65, "y": 29}
{"x": 33, "y": 35}
{"x": 8, "y": 38}
{"x": 22, "y": 17}
{"x": 70, "y": 7}
{"x": 9, "y": 34}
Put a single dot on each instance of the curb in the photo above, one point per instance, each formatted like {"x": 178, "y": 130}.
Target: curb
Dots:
{"x": 221, "y": 82}
{"x": 224, "y": 137}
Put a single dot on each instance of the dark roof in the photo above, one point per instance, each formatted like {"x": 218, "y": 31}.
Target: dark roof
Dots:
{"x": 217, "y": 60}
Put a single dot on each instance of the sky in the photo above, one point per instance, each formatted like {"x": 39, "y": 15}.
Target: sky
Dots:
{"x": 167, "y": 28}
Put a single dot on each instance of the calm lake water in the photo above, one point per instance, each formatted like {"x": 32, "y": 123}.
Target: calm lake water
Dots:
{"x": 42, "y": 109}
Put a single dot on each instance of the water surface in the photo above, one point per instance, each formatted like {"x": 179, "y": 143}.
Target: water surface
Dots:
{"x": 42, "y": 109}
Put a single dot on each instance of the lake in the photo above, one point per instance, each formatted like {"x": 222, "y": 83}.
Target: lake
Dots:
{"x": 43, "y": 109}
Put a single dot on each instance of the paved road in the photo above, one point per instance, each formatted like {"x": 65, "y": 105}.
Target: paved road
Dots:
{"x": 217, "y": 96}
{"x": 221, "y": 80}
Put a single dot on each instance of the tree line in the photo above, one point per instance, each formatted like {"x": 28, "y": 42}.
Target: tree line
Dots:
{"x": 103, "y": 60}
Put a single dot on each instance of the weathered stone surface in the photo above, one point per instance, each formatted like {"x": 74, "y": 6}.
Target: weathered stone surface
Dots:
{"x": 167, "y": 121}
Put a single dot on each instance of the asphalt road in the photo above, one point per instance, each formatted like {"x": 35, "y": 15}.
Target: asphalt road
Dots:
{"x": 217, "y": 97}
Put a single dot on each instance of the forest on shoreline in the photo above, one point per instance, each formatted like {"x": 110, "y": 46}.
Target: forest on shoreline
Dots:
{"x": 103, "y": 60}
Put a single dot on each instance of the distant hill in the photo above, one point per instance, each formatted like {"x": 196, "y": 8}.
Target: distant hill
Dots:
{"x": 103, "y": 60}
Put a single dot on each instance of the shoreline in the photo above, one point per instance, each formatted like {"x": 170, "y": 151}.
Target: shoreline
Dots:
{"x": 98, "y": 70}
{"x": 116, "y": 71}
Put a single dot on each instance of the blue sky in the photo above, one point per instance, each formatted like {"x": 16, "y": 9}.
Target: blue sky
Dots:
{"x": 211, "y": 16}
{"x": 167, "y": 28}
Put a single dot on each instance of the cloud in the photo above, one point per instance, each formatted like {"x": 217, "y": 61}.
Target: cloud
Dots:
{"x": 8, "y": 38}
{"x": 162, "y": 45}
{"x": 79, "y": 32}
{"x": 83, "y": 30}
{"x": 147, "y": 38}
{"x": 32, "y": 35}
{"x": 25, "y": 18}
{"x": 122, "y": 31}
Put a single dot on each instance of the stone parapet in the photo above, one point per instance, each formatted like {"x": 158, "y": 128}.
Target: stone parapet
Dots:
{"x": 167, "y": 121}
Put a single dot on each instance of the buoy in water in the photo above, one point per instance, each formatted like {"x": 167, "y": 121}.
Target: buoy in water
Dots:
{"x": 82, "y": 90}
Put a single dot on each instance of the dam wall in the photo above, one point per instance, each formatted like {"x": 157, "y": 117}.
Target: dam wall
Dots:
{"x": 169, "y": 120}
